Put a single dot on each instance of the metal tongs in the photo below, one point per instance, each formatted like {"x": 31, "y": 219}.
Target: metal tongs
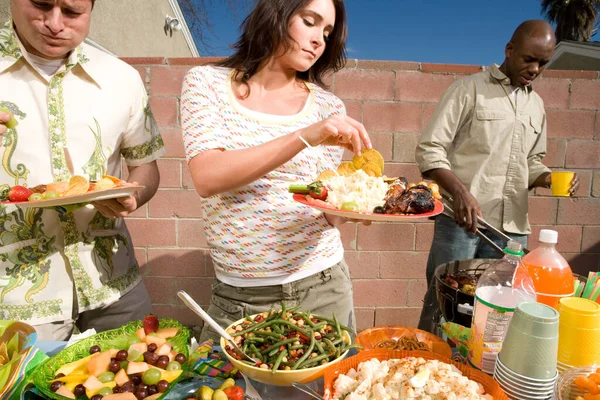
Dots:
{"x": 447, "y": 200}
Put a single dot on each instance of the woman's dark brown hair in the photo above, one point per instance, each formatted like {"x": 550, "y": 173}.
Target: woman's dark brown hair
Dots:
{"x": 265, "y": 31}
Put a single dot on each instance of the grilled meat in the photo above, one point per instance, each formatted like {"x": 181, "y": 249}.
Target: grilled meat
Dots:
{"x": 416, "y": 200}
{"x": 39, "y": 189}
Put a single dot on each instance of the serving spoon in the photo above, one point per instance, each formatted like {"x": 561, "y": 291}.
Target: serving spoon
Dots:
{"x": 192, "y": 305}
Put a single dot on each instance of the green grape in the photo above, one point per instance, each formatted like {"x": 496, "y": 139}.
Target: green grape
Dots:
{"x": 36, "y": 197}
{"x": 350, "y": 206}
{"x": 173, "y": 366}
{"x": 106, "y": 377}
{"x": 105, "y": 391}
{"x": 124, "y": 364}
{"x": 51, "y": 195}
{"x": 151, "y": 376}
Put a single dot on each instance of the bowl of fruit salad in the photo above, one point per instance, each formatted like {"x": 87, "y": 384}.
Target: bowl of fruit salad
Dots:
{"x": 141, "y": 360}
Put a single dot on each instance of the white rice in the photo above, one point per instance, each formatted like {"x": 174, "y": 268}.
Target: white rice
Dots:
{"x": 364, "y": 190}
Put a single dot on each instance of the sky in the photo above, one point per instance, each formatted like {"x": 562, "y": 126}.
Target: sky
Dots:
{"x": 438, "y": 31}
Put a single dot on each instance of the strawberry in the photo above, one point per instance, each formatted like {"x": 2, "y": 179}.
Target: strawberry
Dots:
{"x": 19, "y": 193}
{"x": 150, "y": 323}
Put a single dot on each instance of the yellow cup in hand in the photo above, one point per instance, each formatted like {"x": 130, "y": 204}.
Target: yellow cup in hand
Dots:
{"x": 561, "y": 183}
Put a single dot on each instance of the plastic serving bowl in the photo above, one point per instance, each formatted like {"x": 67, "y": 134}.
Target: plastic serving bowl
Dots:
{"x": 566, "y": 389}
{"x": 280, "y": 377}
{"x": 369, "y": 338}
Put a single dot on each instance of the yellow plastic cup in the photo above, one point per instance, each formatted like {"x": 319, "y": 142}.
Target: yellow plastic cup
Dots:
{"x": 579, "y": 332}
{"x": 561, "y": 183}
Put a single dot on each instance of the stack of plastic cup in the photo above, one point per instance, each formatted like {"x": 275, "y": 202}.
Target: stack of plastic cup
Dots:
{"x": 526, "y": 365}
{"x": 579, "y": 333}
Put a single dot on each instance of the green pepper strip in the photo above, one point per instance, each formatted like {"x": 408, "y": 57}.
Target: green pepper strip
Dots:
{"x": 314, "y": 360}
{"x": 305, "y": 355}
{"x": 278, "y": 361}
{"x": 278, "y": 345}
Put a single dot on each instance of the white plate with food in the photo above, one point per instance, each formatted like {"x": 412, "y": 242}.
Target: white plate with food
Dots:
{"x": 89, "y": 197}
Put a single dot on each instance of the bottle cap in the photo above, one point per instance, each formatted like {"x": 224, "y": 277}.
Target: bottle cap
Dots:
{"x": 548, "y": 236}
{"x": 513, "y": 247}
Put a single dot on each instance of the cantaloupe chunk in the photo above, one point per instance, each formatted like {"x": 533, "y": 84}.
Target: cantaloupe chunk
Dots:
{"x": 113, "y": 352}
{"x": 64, "y": 391}
{"x": 141, "y": 347}
{"x": 141, "y": 334}
{"x": 125, "y": 396}
{"x": 164, "y": 350}
{"x": 79, "y": 365}
{"x": 172, "y": 355}
{"x": 92, "y": 383}
{"x": 153, "y": 397}
{"x": 137, "y": 367}
{"x": 90, "y": 393}
{"x": 166, "y": 333}
{"x": 121, "y": 377}
{"x": 156, "y": 340}
{"x": 99, "y": 363}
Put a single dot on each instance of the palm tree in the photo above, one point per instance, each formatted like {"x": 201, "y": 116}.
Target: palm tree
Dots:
{"x": 575, "y": 19}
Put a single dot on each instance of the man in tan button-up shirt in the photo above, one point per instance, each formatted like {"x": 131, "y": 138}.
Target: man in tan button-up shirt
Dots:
{"x": 484, "y": 145}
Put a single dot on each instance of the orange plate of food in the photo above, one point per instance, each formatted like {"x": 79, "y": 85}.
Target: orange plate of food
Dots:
{"x": 490, "y": 386}
{"x": 88, "y": 197}
{"x": 402, "y": 338}
{"x": 300, "y": 198}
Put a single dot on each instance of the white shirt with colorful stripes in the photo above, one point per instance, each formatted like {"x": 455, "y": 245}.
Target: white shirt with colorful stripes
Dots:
{"x": 258, "y": 235}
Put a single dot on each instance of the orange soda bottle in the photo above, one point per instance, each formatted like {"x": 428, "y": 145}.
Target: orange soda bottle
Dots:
{"x": 551, "y": 274}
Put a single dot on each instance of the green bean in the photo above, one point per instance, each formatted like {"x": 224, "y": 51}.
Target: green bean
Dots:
{"x": 294, "y": 327}
{"x": 251, "y": 329}
{"x": 330, "y": 345}
{"x": 278, "y": 345}
{"x": 255, "y": 352}
{"x": 319, "y": 347}
{"x": 307, "y": 353}
{"x": 332, "y": 322}
{"x": 279, "y": 360}
{"x": 282, "y": 307}
{"x": 308, "y": 321}
{"x": 338, "y": 329}
{"x": 244, "y": 347}
{"x": 255, "y": 339}
{"x": 296, "y": 347}
{"x": 314, "y": 360}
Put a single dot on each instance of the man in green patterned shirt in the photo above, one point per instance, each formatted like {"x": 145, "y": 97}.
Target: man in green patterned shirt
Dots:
{"x": 82, "y": 112}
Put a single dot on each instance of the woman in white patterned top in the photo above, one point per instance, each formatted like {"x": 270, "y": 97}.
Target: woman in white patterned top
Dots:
{"x": 243, "y": 121}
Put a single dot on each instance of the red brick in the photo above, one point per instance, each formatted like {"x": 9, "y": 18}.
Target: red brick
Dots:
{"x": 416, "y": 292}
{"x": 152, "y": 232}
{"x": 165, "y": 110}
{"x": 596, "y": 184}
{"x": 141, "y": 212}
{"x": 186, "y": 181}
{"x": 193, "y": 61}
{"x": 141, "y": 255}
{"x": 418, "y": 86}
{"x": 173, "y": 142}
{"x": 591, "y": 239}
{"x": 384, "y": 237}
{"x": 451, "y": 68}
{"x": 142, "y": 72}
{"x": 177, "y": 312}
{"x": 583, "y": 263}
{"x": 404, "y": 147}
{"x": 143, "y": 60}
{"x": 388, "y": 65}
{"x": 402, "y": 265}
{"x": 198, "y": 288}
{"x": 397, "y": 316}
{"x": 190, "y": 233}
{"x": 161, "y": 290}
{"x": 597, "y": 134}
{"x": 424, "y": 237}
{"x": 365, "y": 318}
{"x": 542, "y": 211}
{"x": 571, "y": 124}
{"x": 585, "y": 94}
{"x": 380, "y": 293}
{"x": 554, "y": 73}
{"x": 354, "y": 110}
{"x": 167, "y": 80}
{"x": 556, "y": 152}
{"x": 348, "y": 232}
{"x": 170, "y": 173}
{"x": 569, "y": 237}
{"x": 583, "y": 154}
{"x": 410, "y": 171}
{"x": 554, "y": 92}
{"x": 428, "y": 110}
{"x": 579, "y": 211}
{"x": 364, "y": 84}
{"x": 175, "y": 203}
{"x": 176, "y": 262}
{"x": 392, "y": 117}
{"x": 363, "y": 264}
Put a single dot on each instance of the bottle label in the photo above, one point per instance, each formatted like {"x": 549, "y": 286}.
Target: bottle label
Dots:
{"x": 490, "y": 323}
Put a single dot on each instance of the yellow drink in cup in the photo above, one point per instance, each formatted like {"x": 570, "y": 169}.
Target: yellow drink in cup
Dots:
{"x": 561, "y": 183}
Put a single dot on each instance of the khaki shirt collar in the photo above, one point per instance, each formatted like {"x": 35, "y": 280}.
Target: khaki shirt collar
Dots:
{"x": 503, "y": 79}
{"x": 12, "y": 50}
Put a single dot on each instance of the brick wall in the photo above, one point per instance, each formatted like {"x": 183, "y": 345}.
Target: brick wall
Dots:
{"x": 394, "y": 100}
